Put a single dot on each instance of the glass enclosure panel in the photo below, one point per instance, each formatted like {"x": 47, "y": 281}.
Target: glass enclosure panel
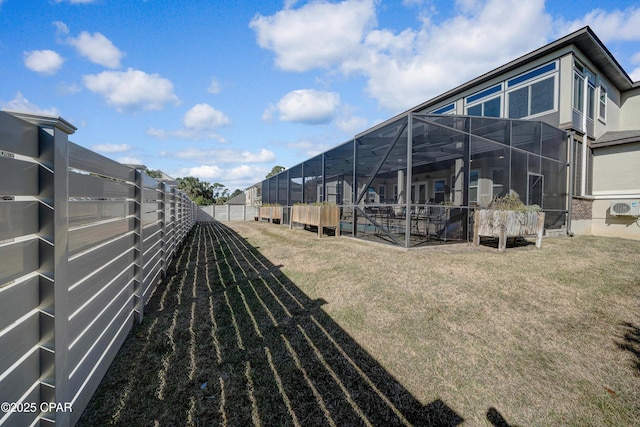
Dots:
{"x": 312, "y": 179}
{"x": 555, "y": 184}
{"x": 295, "y": 185}
{"x": 458, "y": 163}
{"x": 534, "y": 164}
{"x": 491, "y": 163}
{"x": 273, "y": 189}
{"x": 265, "y": 192}
{"x": 381, "y": 163}
{"x": 460, "y": 123}
{"x": 519, "y": 167}
{"x": 283, "y": 188}
{"x": 526, "y": 135}
{"x": 493, "y": 129}
{"x": 438, "y": 163}
{"x": 338, "y": 169}
{"x": 554, "y": 143}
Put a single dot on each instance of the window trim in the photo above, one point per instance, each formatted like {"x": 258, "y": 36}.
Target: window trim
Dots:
{"x": 602, "y": 89}
{"x": 528, "y": 85}
{"x": 447, "y": 109}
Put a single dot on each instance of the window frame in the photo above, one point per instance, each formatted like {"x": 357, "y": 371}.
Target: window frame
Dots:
{"x": 482, "y": 97}
{"x": 529, "y": 85}
{"x": 602, "y": 102}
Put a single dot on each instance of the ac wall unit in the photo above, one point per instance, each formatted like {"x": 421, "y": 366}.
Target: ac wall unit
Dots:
{"x": 626, "y": 208}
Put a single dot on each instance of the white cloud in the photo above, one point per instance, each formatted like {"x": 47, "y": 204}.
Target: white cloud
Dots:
{"x": 227, "y": 156}
{"x": 412, "y": 66}
{"x": 349, "y": 123}
{"x": 308, "y": 148}
{"x": 204, "y": 116}
{"x": 199, "y": 122}
{"x": 132, "y": 90}
{"x": 68, "y": 89}
{"x": 43, "y": 61}
{"x": 214, "y": 87}
{"x": 157, "y": 133}
{"x": 22, "y": 104}
{"x": 111, "y": 148}
{"x": 306, "y": 106}
{"x": 241, "y": 176}
{"x": 407, "y": 67}
{"x": 97, "y": 48}
{"x": 61, "y": 28}
{"x": 617, "y": 25}
{"x": 318, "y": 34}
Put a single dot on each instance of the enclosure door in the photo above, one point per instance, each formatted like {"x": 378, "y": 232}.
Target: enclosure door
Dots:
{"x": 535, "y": 189}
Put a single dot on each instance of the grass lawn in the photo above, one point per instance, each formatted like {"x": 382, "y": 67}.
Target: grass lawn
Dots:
{"x": 258, "y": 324}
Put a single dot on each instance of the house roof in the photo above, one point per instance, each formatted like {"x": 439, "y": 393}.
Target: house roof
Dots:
{"x": 240, "y": 199}
{"x": 584, "y": 39}
{"x": 617, "y": 138}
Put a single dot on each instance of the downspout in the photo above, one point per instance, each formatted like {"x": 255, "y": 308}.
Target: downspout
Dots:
{"x": 571, "y": 167}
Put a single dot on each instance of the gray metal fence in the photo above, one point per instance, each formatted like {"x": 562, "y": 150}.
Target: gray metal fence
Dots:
{"x": 227, "y": 213}
{"x": 83, "y": 241}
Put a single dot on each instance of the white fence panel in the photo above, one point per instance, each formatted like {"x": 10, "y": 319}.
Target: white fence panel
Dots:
{"x": 83, "y": 241}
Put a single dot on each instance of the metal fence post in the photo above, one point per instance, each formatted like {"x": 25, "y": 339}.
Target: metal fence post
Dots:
{"x": 54, "y": 258}
{"x": 163, "y": 221}
{"x": 138, "y": 287}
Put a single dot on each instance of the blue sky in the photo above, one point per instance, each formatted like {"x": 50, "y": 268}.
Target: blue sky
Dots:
{"x": 225, "y": 90}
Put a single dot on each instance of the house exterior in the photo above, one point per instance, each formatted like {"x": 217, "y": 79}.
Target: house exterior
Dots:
{"x": 575, "y": 84}
{"x": 253, "y": 195}
{"x": 559, "y": 126}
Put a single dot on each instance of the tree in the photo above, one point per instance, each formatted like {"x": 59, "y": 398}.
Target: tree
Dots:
{"x": 237, "y": 192}
{"x": 276, "y": 170}
{"x": 154, "y": 173}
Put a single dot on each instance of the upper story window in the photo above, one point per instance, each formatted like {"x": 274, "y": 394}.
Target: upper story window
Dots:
{"x": 447, "y": 109}
{"x": 602, "y": 104}
{"x": 584, "y": 90}
{"x": 533, "y": 92}
{"x": 487, "y": 103}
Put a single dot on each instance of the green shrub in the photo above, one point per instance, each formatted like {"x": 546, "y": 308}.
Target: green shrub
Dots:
{"x": 512, "y": 202}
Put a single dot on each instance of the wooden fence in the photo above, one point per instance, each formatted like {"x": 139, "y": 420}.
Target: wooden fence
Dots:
{"x": 83, "y": 241}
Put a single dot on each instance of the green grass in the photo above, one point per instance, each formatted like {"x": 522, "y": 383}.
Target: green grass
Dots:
{"x": 264, "y": 325}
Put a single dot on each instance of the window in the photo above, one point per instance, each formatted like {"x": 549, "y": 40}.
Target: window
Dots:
{"x": 591, "y": 101}
{"x": 535, "y": 98}
{"x": 602, "y": 107}
{"x": 448, "y": 109}
{"x": 474, "y": 177}
{"x": 578, "y": 92}
{"x": 439, "y": 190}
{"x": 381, "y": 192}
{"x": 490, "y": 107}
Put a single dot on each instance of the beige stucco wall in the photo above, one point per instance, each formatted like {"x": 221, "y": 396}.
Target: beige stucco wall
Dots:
{"x": 629, "y": 119}
{"x": 604, "y": 224}
{"x": 616, "y": 170}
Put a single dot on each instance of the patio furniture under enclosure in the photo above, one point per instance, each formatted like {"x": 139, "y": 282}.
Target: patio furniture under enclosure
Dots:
{"x": 418, "y": 179}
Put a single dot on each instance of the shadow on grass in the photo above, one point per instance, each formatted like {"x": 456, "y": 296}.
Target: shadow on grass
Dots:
{"x": 229, "y": 339}
{"x": 496, "y": 419}
{"x": 512, "y": 242}
{"x": 631, "y": 342}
